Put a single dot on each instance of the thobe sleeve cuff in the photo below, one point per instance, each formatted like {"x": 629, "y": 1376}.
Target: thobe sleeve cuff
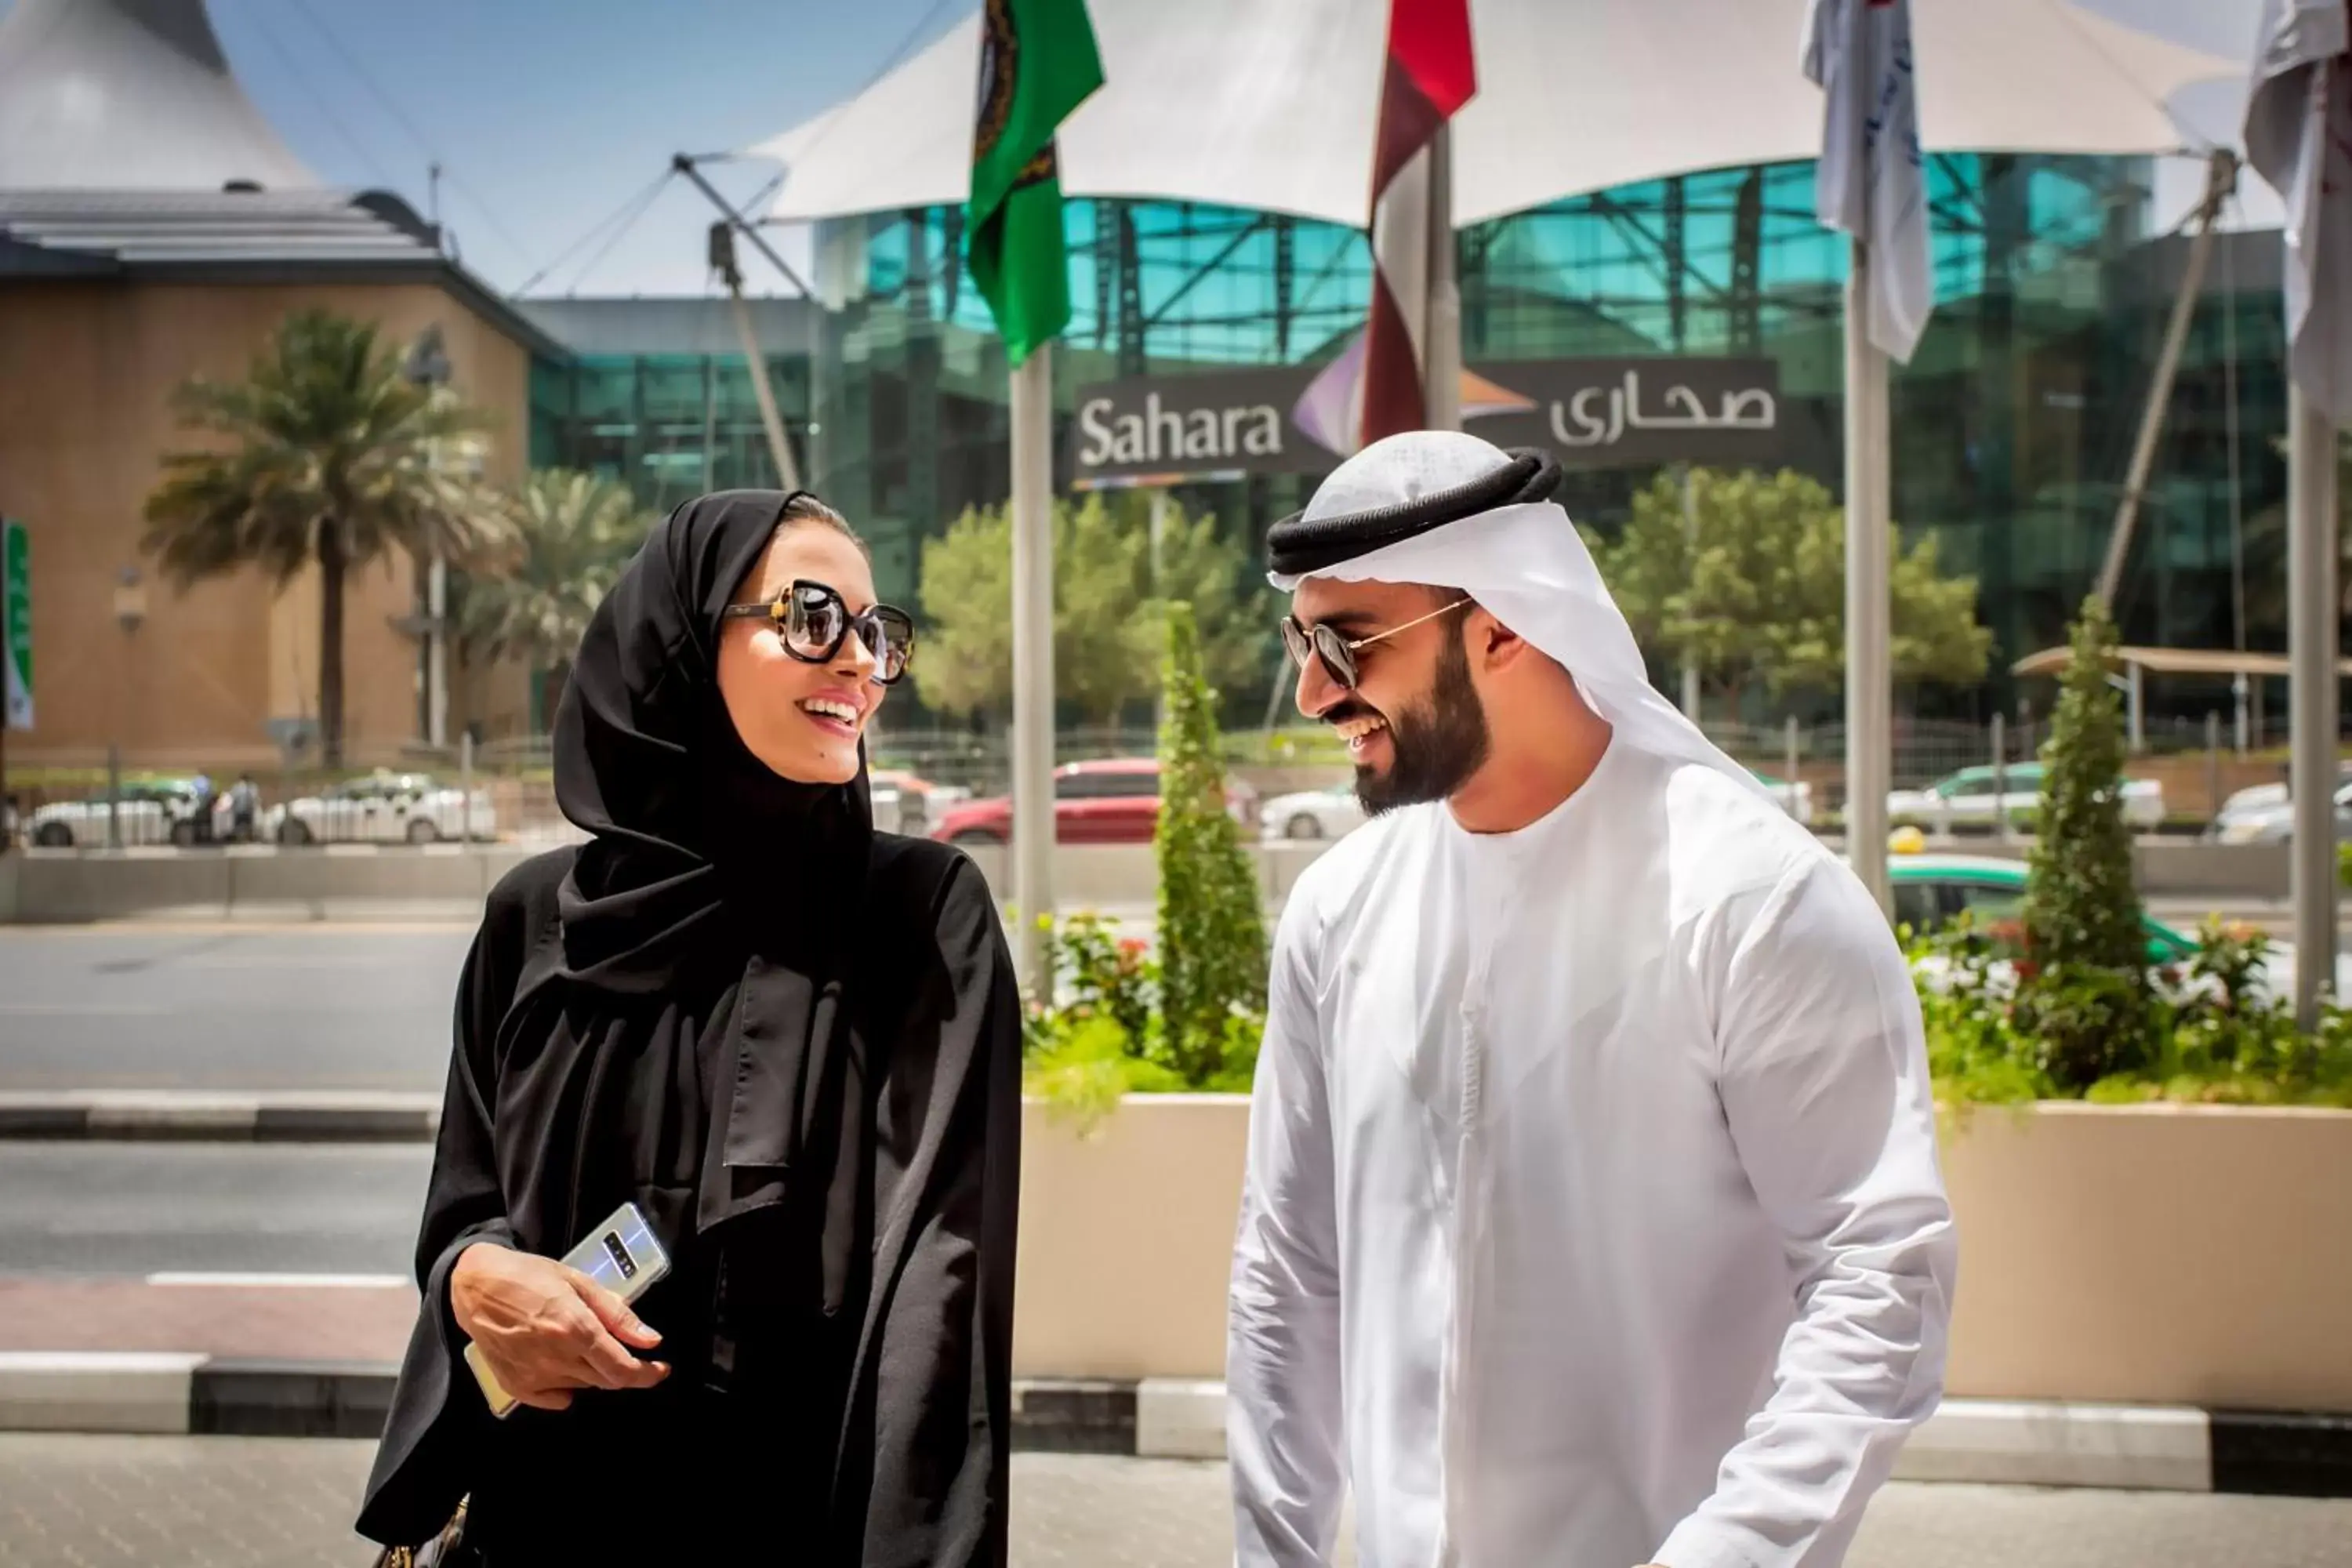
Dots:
{"x": 1701, "y": 1542}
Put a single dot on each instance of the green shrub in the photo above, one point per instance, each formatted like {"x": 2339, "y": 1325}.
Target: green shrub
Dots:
{"x": 1213, "y": 958}
{"x": 1099, "y": 972}
{"x": 2083, "y": 991}
{"x": 1082, "y": 1068}
{"x": 2210, "y": 1034}
{"x": 1099, "y": 1036}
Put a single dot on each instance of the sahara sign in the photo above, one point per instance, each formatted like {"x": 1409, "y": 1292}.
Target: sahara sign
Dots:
{"x": 1298, "y": 419}
{"x": 1223, "y": 422}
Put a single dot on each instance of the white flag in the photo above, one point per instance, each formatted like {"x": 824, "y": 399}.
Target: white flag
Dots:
{"x": 2299, "y": 139}
{"x": 1870, "y": 181}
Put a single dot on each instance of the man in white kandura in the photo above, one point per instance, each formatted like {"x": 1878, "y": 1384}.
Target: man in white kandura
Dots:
{"x": 1592, "y": 1216}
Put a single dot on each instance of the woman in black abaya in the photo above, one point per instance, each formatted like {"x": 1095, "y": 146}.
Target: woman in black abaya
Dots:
{"x": 794, "y": 1043}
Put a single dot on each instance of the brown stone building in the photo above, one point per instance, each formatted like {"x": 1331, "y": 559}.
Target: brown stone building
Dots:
{"x": 153, "y": 228}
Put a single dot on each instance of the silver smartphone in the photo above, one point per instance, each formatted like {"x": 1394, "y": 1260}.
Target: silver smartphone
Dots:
{"x": 622, "y": 1255}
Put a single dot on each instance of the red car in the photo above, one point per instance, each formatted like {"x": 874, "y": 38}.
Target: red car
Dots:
{"x": 1112, "y": 801}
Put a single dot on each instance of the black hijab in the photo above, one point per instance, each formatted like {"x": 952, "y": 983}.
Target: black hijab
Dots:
{"x": 708, "y": 873}
{"x": 685, "y": 820}
{"x": 796, "y": 1043}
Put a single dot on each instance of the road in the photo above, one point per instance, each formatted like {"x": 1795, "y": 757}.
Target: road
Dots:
{"x": 315, "y": 1007}
{"x": 323, "y": 1007}
{"x": 236, "y": 1503}
{"x": 235, "y": 1208}
{"x": 234, "y": 1007}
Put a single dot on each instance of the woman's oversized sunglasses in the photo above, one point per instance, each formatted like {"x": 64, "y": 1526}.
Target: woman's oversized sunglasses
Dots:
{"x": 1338, "y": 653}
{"x": 812, "y": 622}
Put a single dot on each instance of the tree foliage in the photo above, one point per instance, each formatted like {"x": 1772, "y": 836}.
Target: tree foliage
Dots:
{"x": 1107, "y": 630}
{"x": 1753, "y": 588}
{"x": 571, "y": 535}
{"x": 1211, "y": 927}
{"x": 325, "y": 454}
{"x": 2085, "y": 977}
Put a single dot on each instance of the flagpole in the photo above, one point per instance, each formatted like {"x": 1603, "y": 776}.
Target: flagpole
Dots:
{"x": 2313, "y": 723}
{"x": 1032, "y": 850}
{"x": 1869, "y": 684}
{"x": 1441, "y": 371}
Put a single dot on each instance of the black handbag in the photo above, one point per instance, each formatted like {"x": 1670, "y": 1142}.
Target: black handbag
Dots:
{"x": 447, "y": 1550}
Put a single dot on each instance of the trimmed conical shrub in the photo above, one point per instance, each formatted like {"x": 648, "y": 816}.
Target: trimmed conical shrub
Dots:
{"x": 1212, "y": 925}
{"x": 2083, "y": 991}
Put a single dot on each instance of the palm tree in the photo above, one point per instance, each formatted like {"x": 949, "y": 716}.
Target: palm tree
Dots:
{"x": 331, "y": 455}
{"x": 570, "y": 533}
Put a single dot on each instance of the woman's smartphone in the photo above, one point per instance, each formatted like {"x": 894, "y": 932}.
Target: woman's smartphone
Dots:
{"x": 622, "y": 1255}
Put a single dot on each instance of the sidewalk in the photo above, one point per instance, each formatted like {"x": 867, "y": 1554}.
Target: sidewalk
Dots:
{"x": 313, "y": 1357}
{"x": 296, "y": 1355}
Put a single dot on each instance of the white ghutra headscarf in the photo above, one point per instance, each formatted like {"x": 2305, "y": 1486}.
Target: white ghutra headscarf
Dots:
{"x": 1523, "y": 561}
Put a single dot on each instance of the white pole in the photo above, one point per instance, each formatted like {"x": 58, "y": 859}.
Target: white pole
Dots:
{"x": 1032, "y": 848}
{"x": 1999, "y": 779}
{"x": 1441, "y": 347}
{"x": 1690, "y": 541}
{"x": 2135, "y": 690}
{"x": 2312, "y": 629}
{"x": 436, "y": 653}
{"x": 1869, "y": 692}
{"x": 1789, "y": 746}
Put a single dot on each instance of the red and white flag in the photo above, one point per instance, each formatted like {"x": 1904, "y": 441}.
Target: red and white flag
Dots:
{"x": 1430, "y": 75}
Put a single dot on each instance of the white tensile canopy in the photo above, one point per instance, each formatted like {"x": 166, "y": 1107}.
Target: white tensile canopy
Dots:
{"x": 1242, "y": 103}
{"x": 106, "y": 95}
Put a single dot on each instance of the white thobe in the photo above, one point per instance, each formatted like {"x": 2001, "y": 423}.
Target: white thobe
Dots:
{"x": 1592, "y": 1216}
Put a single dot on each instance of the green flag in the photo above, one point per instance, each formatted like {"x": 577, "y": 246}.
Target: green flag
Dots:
{"x": 1037, "y": 62}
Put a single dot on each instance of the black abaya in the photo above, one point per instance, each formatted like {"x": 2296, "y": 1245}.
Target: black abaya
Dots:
{"x": 794, "y": 1044}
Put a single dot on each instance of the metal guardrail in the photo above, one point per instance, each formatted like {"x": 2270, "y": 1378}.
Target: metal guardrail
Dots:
{"x": 515, "y": 776}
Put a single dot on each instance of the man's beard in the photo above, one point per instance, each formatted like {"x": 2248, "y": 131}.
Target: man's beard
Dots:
{"x": 1435, "y": 745}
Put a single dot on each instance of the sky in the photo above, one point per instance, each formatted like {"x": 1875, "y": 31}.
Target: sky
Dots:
{"x": 552, "y": 117}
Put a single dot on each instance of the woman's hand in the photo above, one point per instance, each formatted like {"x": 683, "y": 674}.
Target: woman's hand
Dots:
{"x": 546, "y": 1329}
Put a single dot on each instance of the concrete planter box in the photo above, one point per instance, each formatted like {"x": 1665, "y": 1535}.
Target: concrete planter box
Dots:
{"x": 1127, "y": 1237}
{"x": 2158, "y": 1256}
{"x": 2179, "y": 1255}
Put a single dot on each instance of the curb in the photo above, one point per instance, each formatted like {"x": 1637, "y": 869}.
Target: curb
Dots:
{"x": 183, "y": 1117}
{"x": 2011, "y": 1443}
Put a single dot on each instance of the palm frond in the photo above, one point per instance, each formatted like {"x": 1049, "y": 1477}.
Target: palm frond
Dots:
{"x": 325, "y": 432}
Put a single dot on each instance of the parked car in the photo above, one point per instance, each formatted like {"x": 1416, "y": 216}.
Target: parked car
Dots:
{"x": 908, "y": 803}
{"x": 2254, "y": 797}
{"x": 1796, "y": 798}
{"x": 1933, "y": 891}
{"x": 1967, "y": 798}
{"x": 1115, "y": 800}
{"x": 151, "y": 811}
{"x": 1310, "y": 814}
{"x": 386, "y": 808}
{"x": 2268, "y": 816}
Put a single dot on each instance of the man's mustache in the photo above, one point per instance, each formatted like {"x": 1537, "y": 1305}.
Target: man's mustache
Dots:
{"x": 1348, "y": 708}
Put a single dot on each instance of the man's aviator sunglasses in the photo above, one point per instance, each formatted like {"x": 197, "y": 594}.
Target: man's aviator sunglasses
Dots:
{"x": 812, "y": 623}
{"x": 1338, "y": 653}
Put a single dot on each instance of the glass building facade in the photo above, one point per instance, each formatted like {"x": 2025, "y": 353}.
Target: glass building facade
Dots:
{"x": 2012, "y": 423}
{"x": 658, "y": 393}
